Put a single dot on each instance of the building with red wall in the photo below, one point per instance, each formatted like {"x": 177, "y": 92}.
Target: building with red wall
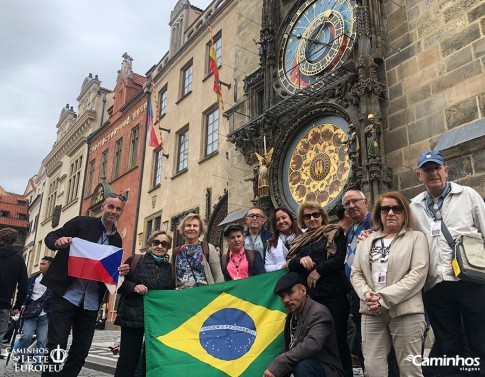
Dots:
{"x": 116, "y": 153}
{"x": 14, "y": 214}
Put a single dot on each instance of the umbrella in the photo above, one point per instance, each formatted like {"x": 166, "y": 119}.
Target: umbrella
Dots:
{"x": 18, "y": 328}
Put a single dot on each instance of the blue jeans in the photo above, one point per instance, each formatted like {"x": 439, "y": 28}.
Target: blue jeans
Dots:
{"x": 33, "y": 326}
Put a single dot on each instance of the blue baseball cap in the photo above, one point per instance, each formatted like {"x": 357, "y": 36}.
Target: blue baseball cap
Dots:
{"x": 430, "y": 156}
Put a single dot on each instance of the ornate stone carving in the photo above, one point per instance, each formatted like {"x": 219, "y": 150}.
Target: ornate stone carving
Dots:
{"x": 214, "y": 232}
{"x": 56, "y": 215}
{"x": 369, "y": 86}
{"x": 252, "y": 80}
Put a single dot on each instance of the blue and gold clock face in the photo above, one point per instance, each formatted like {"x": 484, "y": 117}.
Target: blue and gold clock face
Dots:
{"x": 316, "y": 41}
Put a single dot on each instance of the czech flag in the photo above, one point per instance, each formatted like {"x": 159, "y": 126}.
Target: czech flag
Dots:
{"x": 92, "y": 261}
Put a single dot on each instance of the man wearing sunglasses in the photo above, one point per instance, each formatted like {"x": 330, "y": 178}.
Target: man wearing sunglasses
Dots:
{"x": 446, "y": 297}
{"x": 76, "y": 301}
{"x": 256, "y": 236}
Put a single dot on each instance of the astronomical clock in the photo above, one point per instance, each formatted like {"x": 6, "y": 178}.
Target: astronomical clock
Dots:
{"x": 317, "y": 40}
{"x": 315, "y": 163}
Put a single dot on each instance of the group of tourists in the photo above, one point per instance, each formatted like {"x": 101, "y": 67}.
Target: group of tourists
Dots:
{"x": 387, "y": 273}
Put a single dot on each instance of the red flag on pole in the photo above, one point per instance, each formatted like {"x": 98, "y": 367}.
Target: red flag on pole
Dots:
{"x": 151, "y": 132}
{"x": 215, "y": 71}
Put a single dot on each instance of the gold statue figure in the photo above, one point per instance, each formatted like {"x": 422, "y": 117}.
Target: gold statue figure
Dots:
{"x": 263, "y": 173}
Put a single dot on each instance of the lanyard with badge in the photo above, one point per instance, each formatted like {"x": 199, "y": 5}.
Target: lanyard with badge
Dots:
{"x": 436, "y": 224}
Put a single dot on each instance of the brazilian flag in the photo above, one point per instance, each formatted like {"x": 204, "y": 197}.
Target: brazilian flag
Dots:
{"x": 226, "y": 329}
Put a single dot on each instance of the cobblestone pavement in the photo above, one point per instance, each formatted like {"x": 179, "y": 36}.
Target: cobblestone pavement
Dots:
{"x": 99, "y": 363}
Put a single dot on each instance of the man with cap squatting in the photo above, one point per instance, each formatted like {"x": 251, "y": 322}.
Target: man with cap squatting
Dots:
{"x": 13, "y": 274}
{"x": 310, "y": 341}
{"x": 446, "y": 297}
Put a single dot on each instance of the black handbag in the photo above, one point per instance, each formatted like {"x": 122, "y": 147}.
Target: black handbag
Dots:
{"x": 34, "y": 309}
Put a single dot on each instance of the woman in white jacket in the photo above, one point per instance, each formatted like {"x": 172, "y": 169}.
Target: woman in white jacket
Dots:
{"x": 285, "y": 229}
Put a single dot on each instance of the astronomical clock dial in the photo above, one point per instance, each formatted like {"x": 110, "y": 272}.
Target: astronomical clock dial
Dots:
{"x": 317, "y": 40}
{"x": 317, "y": 165}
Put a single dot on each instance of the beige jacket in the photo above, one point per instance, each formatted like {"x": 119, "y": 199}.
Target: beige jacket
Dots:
{"x": 212, "y": 268}
{"x": 407, "y": 269}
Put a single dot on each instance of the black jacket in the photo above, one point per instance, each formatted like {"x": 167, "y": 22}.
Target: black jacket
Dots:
{"x": 85, "y": 227}
{"x": 13, "y": 274}
{"x": 153, "y": 276}
{"x": 332, "y": 281}
{"x": 48, "y": 293}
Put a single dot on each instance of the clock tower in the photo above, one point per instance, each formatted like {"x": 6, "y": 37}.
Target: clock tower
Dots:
{"x": 320, "y": 94}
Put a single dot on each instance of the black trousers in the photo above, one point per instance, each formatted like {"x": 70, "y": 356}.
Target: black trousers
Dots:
{"x": 130, "y": 349}
{"x": 62, "y": 317}
{"x": 447, "y": 304}
{"x": 339, "y": 307}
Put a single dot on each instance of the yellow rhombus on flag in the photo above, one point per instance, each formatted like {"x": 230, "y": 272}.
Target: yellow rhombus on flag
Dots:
{"x": 226, "y": 329}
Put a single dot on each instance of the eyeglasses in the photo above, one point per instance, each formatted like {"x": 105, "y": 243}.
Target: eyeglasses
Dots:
{"x": 308, "y": 216}
{"x": 164, "y": 244}
{"x": 396, "y": 209}
{"x": 255, "y": 216}
{"x": 120, "y": 197}
{"x": 352, "y": 201}
{"x": 432, "y": 169}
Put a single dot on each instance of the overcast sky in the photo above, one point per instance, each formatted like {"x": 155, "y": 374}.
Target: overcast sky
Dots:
{"x": 47, "y": 48}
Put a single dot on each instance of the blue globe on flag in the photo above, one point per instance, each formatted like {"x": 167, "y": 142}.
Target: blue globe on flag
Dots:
{"x": 228, "y": 334}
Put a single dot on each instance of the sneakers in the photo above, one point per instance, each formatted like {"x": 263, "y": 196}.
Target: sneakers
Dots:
{"x": 4, "y": 354}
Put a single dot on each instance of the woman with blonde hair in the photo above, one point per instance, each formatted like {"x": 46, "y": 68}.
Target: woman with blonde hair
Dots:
{"x": 388, "y": 275}
{"x": 196, "y": 262}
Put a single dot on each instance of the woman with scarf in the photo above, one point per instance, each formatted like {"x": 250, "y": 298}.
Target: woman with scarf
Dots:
{"x": 318, "y": 255}
{"x": 151, "y": 271}
{"x": 196, "y": 262}
{"x": 285, "y": 229}
{"x": 388, "y": 275}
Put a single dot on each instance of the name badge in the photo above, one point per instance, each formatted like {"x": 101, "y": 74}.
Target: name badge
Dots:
{"x": 382, "y": 276}
{"x": 435, "y": 228}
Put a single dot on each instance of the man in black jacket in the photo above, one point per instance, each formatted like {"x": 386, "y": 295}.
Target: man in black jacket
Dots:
{"x": 13, "y": 274}
{"x": 76, "y": 301}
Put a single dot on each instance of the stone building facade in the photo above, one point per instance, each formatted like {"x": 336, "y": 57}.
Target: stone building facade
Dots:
{"x": 435, "y": 70}
{"x": 59, "y": 182}
{"x": 192, "y": 172}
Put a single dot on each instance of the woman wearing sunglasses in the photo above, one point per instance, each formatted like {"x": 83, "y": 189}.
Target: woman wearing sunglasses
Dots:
{"x": 388, "y": 275}
{"x": 151, "y": 272}
{"x": 318, "y": 255}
